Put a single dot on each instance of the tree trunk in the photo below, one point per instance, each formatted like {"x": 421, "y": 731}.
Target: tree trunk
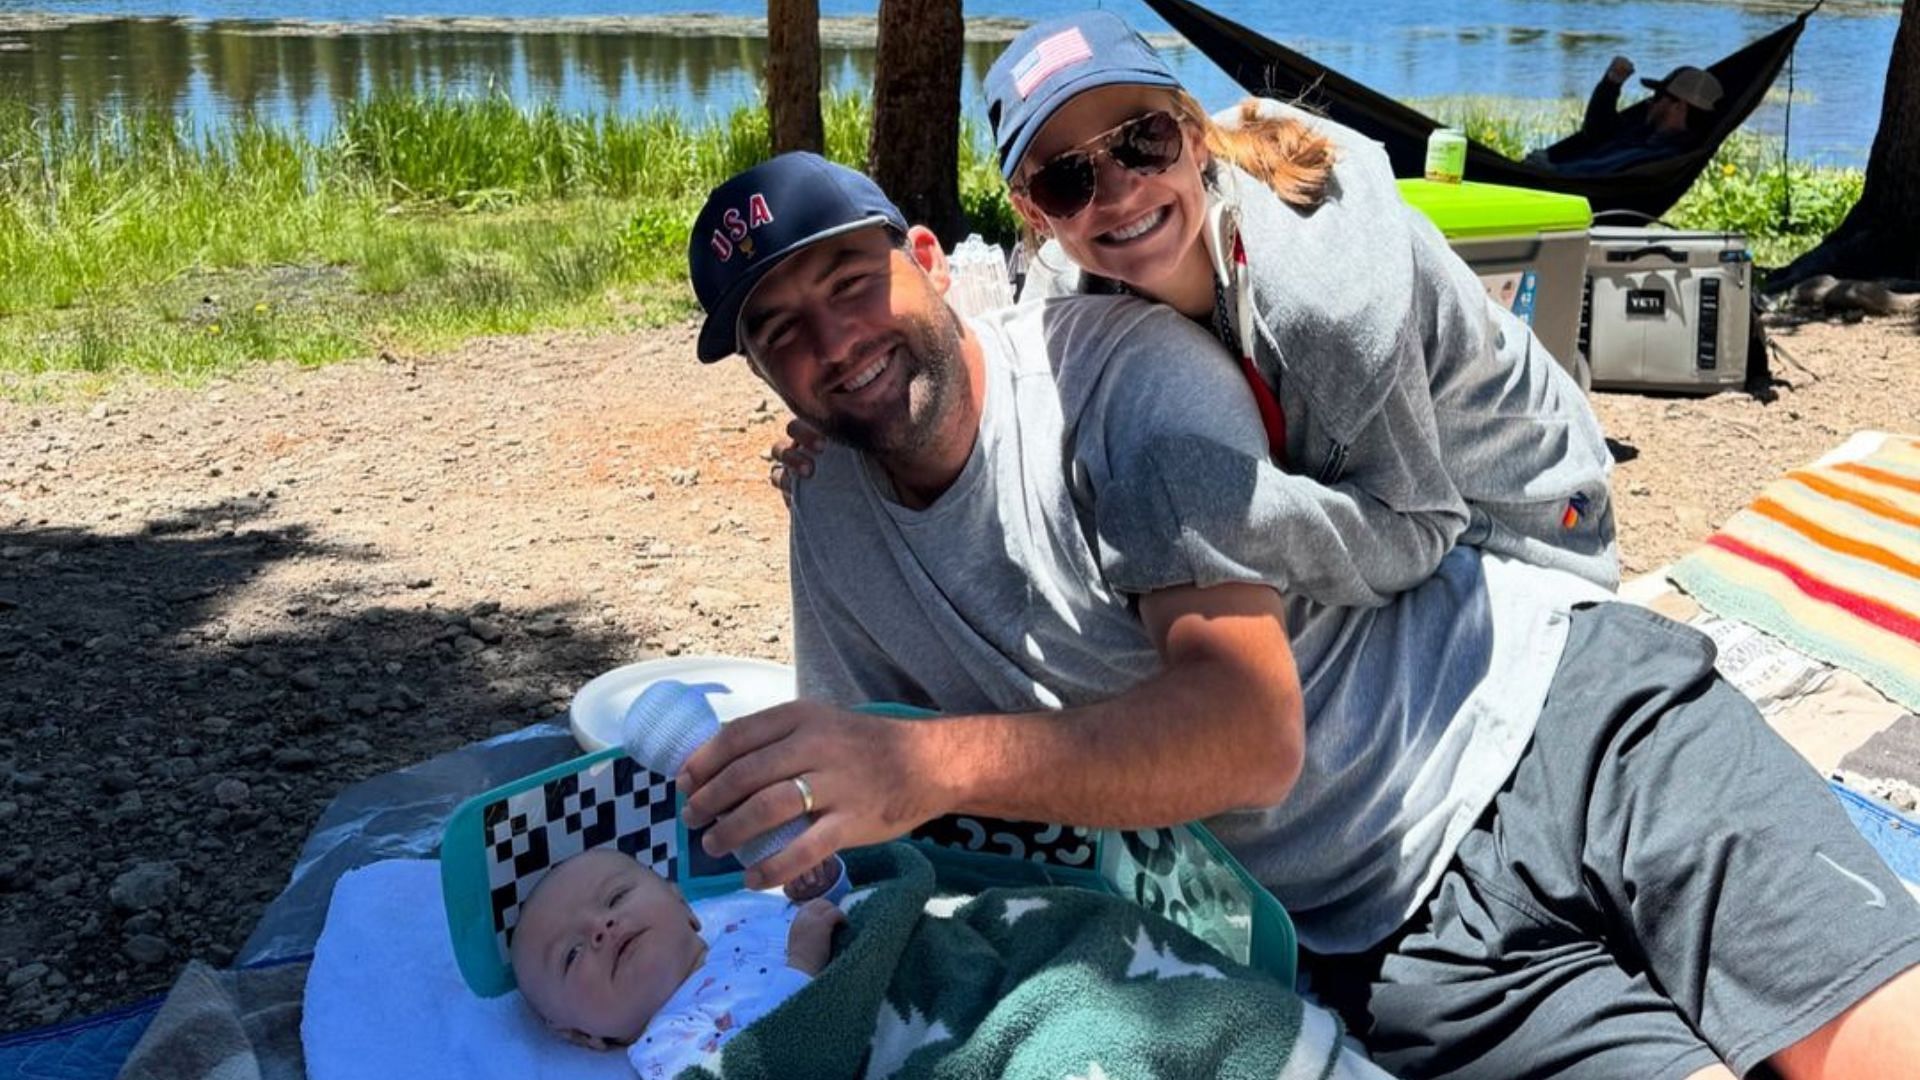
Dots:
{"x": 915, "y": 153}
{"x": 1880, "y": 237}
{"x": 793, "y": 75}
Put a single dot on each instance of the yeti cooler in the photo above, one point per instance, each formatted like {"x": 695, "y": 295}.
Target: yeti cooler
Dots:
{"x": 1528, "y": 247}
{"x": 1666, "y": 309}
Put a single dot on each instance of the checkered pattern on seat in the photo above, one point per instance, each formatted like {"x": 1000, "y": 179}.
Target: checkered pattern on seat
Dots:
{"x": 615, "y": 802}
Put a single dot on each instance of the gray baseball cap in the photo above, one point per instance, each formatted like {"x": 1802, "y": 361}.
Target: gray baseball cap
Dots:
{"x": 1690, "y": 84}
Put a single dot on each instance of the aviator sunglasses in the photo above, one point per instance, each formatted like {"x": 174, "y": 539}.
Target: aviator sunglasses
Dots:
{"x": 1149, "y": 144}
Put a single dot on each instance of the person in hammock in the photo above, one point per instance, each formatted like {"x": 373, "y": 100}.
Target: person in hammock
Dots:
{"x": 1610, "y": 142}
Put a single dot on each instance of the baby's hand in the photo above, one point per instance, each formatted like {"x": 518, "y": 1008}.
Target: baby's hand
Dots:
{"x": 810, "y": 939}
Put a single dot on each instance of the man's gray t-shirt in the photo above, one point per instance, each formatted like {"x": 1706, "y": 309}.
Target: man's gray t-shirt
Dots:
{"x": 1118, "y": 453}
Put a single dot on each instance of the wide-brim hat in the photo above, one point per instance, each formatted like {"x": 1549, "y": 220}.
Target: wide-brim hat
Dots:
{"x": 1690, "y": 84}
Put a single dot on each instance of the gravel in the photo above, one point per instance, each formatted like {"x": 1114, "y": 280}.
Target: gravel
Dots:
{"x": 197, "y": 652}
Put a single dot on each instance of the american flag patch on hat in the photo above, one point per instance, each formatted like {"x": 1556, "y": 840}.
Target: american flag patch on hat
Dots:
{"x": 1062, "y": 50}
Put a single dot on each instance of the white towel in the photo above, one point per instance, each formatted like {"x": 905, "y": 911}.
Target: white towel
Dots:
{"x": 385, "y": 997}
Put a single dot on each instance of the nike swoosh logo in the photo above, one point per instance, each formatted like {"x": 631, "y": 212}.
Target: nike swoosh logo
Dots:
{"x": 1879, "y": 899}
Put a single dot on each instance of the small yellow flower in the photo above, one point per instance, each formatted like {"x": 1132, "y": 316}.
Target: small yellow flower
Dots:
{"x": 260, "y": 308}
{"x": 214, "y": 329}
{"x": 1728, "y": 169}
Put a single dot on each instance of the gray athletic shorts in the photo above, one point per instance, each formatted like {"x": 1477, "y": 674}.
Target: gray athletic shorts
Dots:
{"x": 1663, "y": 884}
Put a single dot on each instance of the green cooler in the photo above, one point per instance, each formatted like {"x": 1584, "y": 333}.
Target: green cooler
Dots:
{"x": 1528, "y": 247}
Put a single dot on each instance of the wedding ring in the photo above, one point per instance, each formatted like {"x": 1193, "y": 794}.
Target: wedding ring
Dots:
{"x": 806, "y": 793}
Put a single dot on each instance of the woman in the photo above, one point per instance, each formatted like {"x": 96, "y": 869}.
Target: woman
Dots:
{"x": 1425, "y": 414}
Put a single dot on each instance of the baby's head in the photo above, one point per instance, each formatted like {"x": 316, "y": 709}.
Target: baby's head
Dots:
{"x": 601, "y": 945}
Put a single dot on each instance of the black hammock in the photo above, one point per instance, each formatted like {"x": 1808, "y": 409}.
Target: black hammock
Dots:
{"x": 1268, "y": 69}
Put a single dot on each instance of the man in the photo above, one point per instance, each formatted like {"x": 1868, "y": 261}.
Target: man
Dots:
{"x": 1513, "y": 827}
{"x": 1610, "y": 142}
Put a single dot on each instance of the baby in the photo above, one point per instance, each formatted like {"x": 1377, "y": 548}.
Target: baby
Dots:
{"x": 608, "y": 953}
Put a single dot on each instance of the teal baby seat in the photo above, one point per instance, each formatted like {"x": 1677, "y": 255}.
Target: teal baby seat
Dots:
{"x": 500, "y": 843}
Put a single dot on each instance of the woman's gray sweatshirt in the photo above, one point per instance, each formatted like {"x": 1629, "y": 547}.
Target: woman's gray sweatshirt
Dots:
{"x": 1419, "y": 412}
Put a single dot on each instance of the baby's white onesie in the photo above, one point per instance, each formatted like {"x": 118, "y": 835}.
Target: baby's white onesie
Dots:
{"x": 744, "y": 977}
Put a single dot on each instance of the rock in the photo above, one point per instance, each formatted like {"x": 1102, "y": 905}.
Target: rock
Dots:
{"x": 148, "y": 885}
{"x": 486, "y": 630}
{"x": 231, "y": 792}
{"x": 26, "y": 976}
{"x": 708, "y": 599}
{"x": 305, "y": 679}
{"x": 683, "y": 477}
{"x": 144, "y": 923}
{"x": 65, "y": 884}
{"x": 364, "y": 704}
{"x": 355, "y": 748}
{"x": 118, "y": 781}
{"x": 467, "y": 646}
{"x": 546, "y": 627}
{"x": 146, "y": 949}
{"x": 294, "y": 759}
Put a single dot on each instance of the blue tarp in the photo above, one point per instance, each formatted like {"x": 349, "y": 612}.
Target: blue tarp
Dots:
{"x": 94, "y": 1048}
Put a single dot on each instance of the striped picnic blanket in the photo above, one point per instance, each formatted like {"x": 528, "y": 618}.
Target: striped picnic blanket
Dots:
{"x": 1828, "y": 558}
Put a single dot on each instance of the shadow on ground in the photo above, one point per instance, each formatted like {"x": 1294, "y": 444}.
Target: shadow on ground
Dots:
{"x": 167, "y": 736}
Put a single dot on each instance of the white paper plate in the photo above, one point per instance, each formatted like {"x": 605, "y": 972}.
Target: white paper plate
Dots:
{"x": 752, "y": 685}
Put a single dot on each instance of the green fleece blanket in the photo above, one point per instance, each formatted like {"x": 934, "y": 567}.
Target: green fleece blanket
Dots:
{"x": 1023, "y": 982}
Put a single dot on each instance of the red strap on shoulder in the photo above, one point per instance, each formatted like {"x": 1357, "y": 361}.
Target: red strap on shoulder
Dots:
{"x": 1272, "y": 417}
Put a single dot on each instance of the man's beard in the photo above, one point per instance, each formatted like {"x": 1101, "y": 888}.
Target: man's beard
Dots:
{"x": 932, "y": 355}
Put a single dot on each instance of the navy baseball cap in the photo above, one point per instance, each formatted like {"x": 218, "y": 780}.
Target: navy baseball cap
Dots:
{"x": 1051, "y": 62}
{"x": 758, "y": 218}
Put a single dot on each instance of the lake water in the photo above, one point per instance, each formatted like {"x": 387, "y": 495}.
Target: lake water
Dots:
{"x": 298, "y": 63}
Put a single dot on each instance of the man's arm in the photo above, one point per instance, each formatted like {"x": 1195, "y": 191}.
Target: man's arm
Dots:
{"x": 1602, "y": 120}
{"x": 1221, "y": 727}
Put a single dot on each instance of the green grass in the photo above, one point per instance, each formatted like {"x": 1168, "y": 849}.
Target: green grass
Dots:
{"x": 136, "y": 243}
{"x": 1745, "y": 189}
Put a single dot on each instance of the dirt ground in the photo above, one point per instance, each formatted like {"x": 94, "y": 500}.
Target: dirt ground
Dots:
{"x": 220, "y": 606}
